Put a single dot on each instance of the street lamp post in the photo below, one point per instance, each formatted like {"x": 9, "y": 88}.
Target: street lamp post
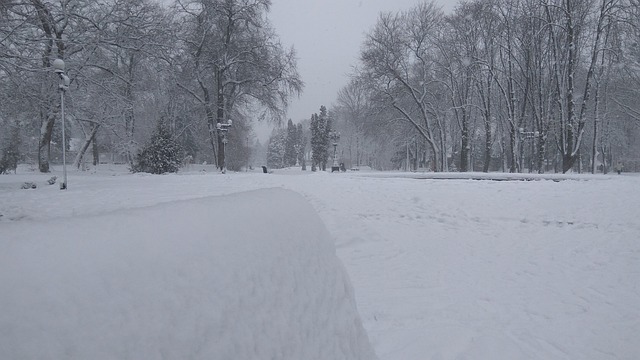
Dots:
{"x": 335, "y": 136}
{"x": 58, "y": 67}
{"x": 223, "y": 129}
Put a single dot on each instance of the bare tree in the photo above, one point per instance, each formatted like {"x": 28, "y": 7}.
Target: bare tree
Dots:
{"x": 568, "y": 22}
{"x": 355, "y": 111}
{"x": 459, "y": 48}
{"x": 397, "y": 60}
{"x": 32, "y": 37}
{"x": 485, "y": 57}
{"x": 124, "y": 43}
{"x": 235, "y": 59}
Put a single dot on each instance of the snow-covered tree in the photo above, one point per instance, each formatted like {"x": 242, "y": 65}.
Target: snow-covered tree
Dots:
{"x": 290, "y": 153}
{"x": 234, "y": 60}
{"x": 301, "y": 146}
{"x": 162, "y": 154}
{"x": 320, "y": 129}
{"x": 276, "y": 148}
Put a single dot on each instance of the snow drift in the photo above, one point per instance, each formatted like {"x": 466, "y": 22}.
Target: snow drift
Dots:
{"x": 183, "y": 280}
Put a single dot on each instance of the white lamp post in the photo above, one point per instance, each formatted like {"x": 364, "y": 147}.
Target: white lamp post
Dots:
{"x": 58, "y": 67}
{"x": 335, "y": 136}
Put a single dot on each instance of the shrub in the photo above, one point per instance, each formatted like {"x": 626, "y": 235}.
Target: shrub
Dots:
{"x": 160, "y": 155}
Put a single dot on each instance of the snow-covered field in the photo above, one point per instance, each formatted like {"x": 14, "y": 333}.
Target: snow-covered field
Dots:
{"x": 441, "y": 268}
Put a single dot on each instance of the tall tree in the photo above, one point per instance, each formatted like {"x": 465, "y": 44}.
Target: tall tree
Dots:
{"x": 573, "y": 17}
{"x": 276, "y": 148}
{"x": 397, "y": 61}
{"x": 357, "y": 112}
{"x": 290, "y": 153}
{"x": 459, "y": 64}
{"x": 126, "y": 42}
{"x": 235, "y": 59}
{"x": 301, "y": 146}
{"x": 486, "y": 57}
{"x": 320, "y": 129}
{"x": 36, "y": 34}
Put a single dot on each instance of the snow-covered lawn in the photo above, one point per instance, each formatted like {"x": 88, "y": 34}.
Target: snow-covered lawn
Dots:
{"x": 441, "y": 268}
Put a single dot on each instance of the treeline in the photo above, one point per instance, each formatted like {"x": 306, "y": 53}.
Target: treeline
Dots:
{"x": 498, "y": 85}
{"x": 134, "y": 64}
{"x": 288, "y": 146}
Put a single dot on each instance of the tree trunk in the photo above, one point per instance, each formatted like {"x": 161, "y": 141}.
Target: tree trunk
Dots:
{"x": 220, "y": 118}
{"x": 594, "y": 145}
{"x": 488, "y": 113}
{"x": 575, "y": 130}
{"x": 605, "y": 164}
{"x": 415, "y": 159}
{"x": 568, "y": 144}
{"x": 129, "y": 115}
{"x": 96, "y": 150}
{"x": 85, "y": 146}
{"x": 542, "y": 149}
{"x": 513, "y": 155}
{"x": 44, "y": 148}
{"x": 488, "y": 145}
{"x": 464, "y": 151}
{"x": 211, "y": 124}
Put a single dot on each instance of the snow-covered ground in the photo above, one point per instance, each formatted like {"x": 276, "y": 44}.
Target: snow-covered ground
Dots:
{"x": 441, "y": 268}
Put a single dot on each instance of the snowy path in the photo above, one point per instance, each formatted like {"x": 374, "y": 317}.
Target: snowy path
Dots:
{"x": 443, "y": 269}
{"x": 166, "y": 282}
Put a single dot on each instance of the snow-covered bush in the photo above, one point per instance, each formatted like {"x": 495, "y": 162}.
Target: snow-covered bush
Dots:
{"x": 160, "y": 155}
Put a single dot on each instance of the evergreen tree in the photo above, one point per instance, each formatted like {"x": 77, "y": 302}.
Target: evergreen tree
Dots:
{"x": 320, "y": 129}
{"x": 290, "y": 155}
{"x": 276, "y": 148}
{"x": 301, "y": 146}
{"x": 161, "y": 154}
{"x": 315, "y": 142}
{"x": 325, "y": 120}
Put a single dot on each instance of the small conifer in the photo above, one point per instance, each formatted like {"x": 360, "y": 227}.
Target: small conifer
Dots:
{"x": 161, "y": 154}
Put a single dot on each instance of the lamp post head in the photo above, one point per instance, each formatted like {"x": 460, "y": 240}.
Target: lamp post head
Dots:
{"x": 65, "y": 80}
{"x": 58, "y": 66}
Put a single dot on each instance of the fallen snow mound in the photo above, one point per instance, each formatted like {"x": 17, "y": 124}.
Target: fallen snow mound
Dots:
{"x": 185, "y": 280}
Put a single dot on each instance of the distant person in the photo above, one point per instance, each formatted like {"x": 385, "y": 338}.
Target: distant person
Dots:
{"x": 619, "y": 167}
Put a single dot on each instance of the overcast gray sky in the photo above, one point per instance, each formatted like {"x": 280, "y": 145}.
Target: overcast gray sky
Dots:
{"x": 327, "y": 35}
